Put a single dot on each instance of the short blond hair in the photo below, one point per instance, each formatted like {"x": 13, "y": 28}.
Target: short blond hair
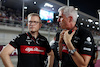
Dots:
{"x": 34, "y": 14}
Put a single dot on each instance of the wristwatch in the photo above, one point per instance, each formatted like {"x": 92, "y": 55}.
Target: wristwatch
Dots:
{"x": 71, "y": 52}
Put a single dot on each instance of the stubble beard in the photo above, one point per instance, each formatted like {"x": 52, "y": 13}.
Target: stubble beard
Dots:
{"x": 32, "y": 32}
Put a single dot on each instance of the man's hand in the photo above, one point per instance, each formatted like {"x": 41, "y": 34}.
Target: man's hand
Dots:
{"x": 61, "y": 36}
{"x": 94, "y": 61}
{"x": 60, "y": 43}
{"x": 68, "y": 37}
{"x": 50, "y": 59}
{"x": 5, "y": 55}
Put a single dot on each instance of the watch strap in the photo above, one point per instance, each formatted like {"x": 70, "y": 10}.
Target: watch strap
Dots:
{"x": 71, "y": 52}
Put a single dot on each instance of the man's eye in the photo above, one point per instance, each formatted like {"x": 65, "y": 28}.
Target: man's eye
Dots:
{"x": 30, "y": 21}
{"x": 60, "y": 16}
{"x": 35, "y": 22}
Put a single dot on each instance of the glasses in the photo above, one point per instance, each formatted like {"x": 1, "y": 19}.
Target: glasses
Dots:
{"x": 34, "y": 22}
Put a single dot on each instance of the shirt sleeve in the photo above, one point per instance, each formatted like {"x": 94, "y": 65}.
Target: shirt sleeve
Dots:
{"x": 14, "y": 41}
{"x": 54, "y": 45}
{"x": 87, "y": 44}
{"x": 48, "y": 48}
{"x": 95, "y": 48}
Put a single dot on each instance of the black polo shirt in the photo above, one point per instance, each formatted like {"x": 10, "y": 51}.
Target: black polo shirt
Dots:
{"x": 83, "y": 42}
{"x": 95, "y": 48}
{"x": 31, "y": 51}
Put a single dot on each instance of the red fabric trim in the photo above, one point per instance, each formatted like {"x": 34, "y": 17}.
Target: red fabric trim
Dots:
{"x": 65, "y": 51}
{"x": 32, "y": 49}
{"x": 12, "y": 46}
{"x": 72, "y": 30}
{"x": 77, "y": 50}
{"x": 64, "y": 45}
{"x": 86, "y": 54}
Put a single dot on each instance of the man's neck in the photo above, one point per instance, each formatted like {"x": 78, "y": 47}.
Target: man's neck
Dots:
{"x": 72, "y": 27}
{"x": 75, "y": 28}
{"x": 34, "y": 34}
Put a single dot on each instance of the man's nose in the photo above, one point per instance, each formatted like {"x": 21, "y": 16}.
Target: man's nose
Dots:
{"x": 58, "y": 20}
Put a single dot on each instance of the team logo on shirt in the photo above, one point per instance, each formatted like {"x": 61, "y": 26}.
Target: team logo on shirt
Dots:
{"x": 64, "y": 49}
{"x": 77, "y": 38}
{"x": 28, "y": 37}
{"x": 32, "y": 49}
{"x": 28, "y": 40}
{"x": 87, "y": 49}
{"x": 88, "y": 41}
{"x": 28, "y": 49}
{"x": 75, "y": 41}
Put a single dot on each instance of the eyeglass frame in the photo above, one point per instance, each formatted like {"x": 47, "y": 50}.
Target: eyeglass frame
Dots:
{"x": 35, "y": 22}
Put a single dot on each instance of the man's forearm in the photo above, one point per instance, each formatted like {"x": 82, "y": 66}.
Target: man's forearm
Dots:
{"x": 60, "y": 50}
{"x": 50, "y": 59}
{"x": 96, "y": 55}
{"x": 6, "y": 61}
{"x": 78, "y": 59}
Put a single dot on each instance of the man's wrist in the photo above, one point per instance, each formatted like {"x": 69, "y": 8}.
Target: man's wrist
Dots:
{"x": 61, "y": 39}
{"x": 71, "y": 52}
{"x": 60, "y": 42}
{"x": 95, "y": 59}
{"x": 69, "y": 43}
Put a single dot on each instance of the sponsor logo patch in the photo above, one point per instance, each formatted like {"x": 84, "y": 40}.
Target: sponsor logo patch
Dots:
{"x": 88, "y": 41}
{"x": 87, "y": 49}
{"x": 32, "y": 49}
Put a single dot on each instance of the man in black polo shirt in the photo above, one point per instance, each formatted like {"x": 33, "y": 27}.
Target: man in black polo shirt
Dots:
{"x": 54, "y": 46}
{"x": 31, "y": 46}
{"x": 76, "y": 44}
{"x": 94, "y": 57}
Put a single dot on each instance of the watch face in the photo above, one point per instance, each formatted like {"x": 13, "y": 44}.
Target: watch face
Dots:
{"x": 72, "y": 51}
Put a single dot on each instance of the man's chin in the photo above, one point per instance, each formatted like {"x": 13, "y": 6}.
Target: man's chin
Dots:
{"x": 62, "y": 27}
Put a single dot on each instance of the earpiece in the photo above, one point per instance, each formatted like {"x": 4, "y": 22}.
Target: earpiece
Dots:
{"x": 70, "y": 31}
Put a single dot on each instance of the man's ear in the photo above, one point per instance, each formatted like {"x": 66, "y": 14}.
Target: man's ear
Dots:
{"x": 70, "y": 18}
{"x": 40, "y": 25}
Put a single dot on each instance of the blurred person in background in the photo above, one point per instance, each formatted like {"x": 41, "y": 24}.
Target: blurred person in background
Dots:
{"x": 52, "y": 41}
{"x": 76, "y": 44}
{"x": 54, "y": 46}
{"x": 94, "y": 57}
{"x": 31, "y": 46}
